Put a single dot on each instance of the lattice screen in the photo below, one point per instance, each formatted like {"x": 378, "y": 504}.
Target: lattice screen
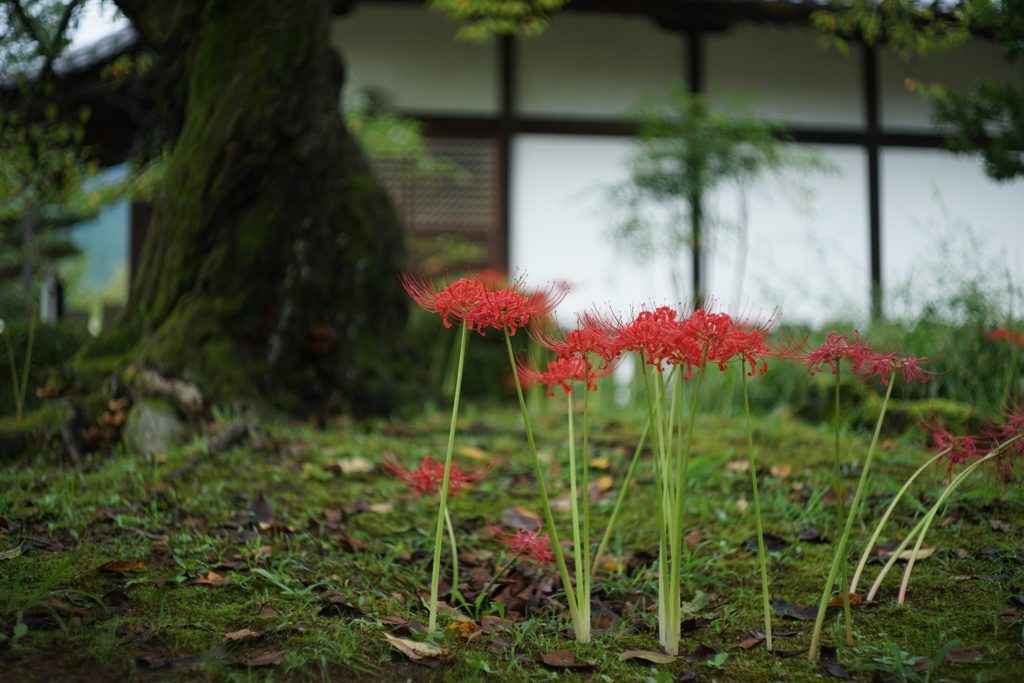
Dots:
{"x": 464, "y": 200}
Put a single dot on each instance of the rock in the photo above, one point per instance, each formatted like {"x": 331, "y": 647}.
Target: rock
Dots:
{"x": 153, "y": 426}
{"x": 186, "y": 397}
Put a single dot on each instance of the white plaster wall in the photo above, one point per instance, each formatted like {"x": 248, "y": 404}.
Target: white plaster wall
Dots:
{"x": 946, "y": 223}
{"x": 808, "y": 247}
{"x": 795, "y": 81}
{"x": 958, "y": 69}
{"x": 595, "y": 66}
{"x": 809, "y": 260}
{"x": 410, "y": 57}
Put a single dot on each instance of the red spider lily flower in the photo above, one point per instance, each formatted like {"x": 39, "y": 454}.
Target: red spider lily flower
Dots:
{"x": 720, "y": 339}
{"x": 651, "y": 335}
{"x": 532, "y": 545}
{"x": 581, "y": 342}
{"x": 1014, "y": 425}
{"x": 836, "y": 348}
{"x": 884, "y": 365}
{"x": 470, "y": 302}
{"x": 430, "y": 475}
{"x": 563, "y": 373}
{"x": 961, "y": 447}
{"x": 999, "y": 333}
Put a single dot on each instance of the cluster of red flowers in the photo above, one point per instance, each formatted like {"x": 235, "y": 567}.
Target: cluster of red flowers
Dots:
{"x": 1000, "y": 333}
{"x": 839, "y": 349}
{"x": 531, "y": 544}
{"x": 660, "y": 337}
{"x": 430, "y": 475}
{"x": 480, "y": 303}
{"x": 1007, "y": 436}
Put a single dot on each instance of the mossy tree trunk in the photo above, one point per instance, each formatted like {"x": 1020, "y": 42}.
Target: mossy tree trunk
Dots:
{"x": 270, "y": 266}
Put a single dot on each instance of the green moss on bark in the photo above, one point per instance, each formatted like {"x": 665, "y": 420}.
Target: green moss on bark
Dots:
{"x": 272, "y": 258}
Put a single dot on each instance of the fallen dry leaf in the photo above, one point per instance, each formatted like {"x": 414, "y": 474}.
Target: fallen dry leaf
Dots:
{"x": 116, "y": 598}
{"x": 491, "y": 623}
{"x": 603, "y": 483}
{"x": 772, "y": 543}
{"x": 259, "y": 511}
{"x": 703, "y": 653}
{"x": 794, "y": 609}
{"x": 781, "y": 471}
{"x": 380, "y": 508}
{"x": 741, "y": 465}
{"x": 518, "y": 516}
{"x": 474, "y": 453}
{"x": 464, "y": 629}
{"x": 695, "y": 537}
{"x": 648, "y": 655}
{"x": 811, "y": 535}
{"x": 356, "y": 464}
{"x": 12, "y": 553}
{"x": 837, "y": 600}
{"x": 562, "y": 504}
{"x": 754, "y": 638}
{"x": 239, "y": 635}
{"x": 414, "y": 649}
{"x": 135, "y": 629}
{"x": 211, "y": 579}
{"x": 886, "y": 552}
{"x": 564, "y": 659}
{"x": 958, "y": 655}
{"x": 827, "y": 657}
{"x": 266, "y": 659}
{"x": 125, "y": 569}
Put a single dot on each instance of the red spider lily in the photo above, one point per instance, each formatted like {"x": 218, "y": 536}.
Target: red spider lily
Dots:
{"x": 532, "y": 545}
{"x": 720, "y": 339}
{"x": 470, "y": 302}
{"x": 836, "y": 348}
{"x": 430, "y": 475}
{"x": 1014, "y": 425}
{"x": 1015, "y": 338}
{"x": 884, "y": 365}
{"x": 961, "y": 447}
{"x": 651, "y": 335}
{"x": 563, "y": 373}
{"x": 581, "y": 343}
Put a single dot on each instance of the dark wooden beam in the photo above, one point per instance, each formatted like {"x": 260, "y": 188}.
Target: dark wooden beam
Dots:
{"x": 873, "y": 146}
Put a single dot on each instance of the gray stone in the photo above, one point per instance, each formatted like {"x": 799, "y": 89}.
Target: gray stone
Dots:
{"x": 153, "y": 426}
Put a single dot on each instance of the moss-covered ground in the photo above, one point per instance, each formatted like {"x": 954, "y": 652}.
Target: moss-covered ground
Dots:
{"x": 293, "y": 557}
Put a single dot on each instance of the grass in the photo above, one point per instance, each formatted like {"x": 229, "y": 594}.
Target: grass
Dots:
{"x": 344, "y": 561}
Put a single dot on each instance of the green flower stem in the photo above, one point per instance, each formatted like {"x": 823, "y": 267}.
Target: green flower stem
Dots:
{"x": 922, "y": 526}
{"x": 435, "y": 576}
{"x": 675, "y": 524}
{"x": 761, "y": 556}
{"x": 578, "y": 541}
{"x": 885, "y": 518}
{"x": 837, "y": 484}
{"x": 583, "y": 581}
{"x": 603, "y": 545}
{"x": 840, "y": 557}
{"x": 455, "y": 556}
{"x": 549, "y": 520}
